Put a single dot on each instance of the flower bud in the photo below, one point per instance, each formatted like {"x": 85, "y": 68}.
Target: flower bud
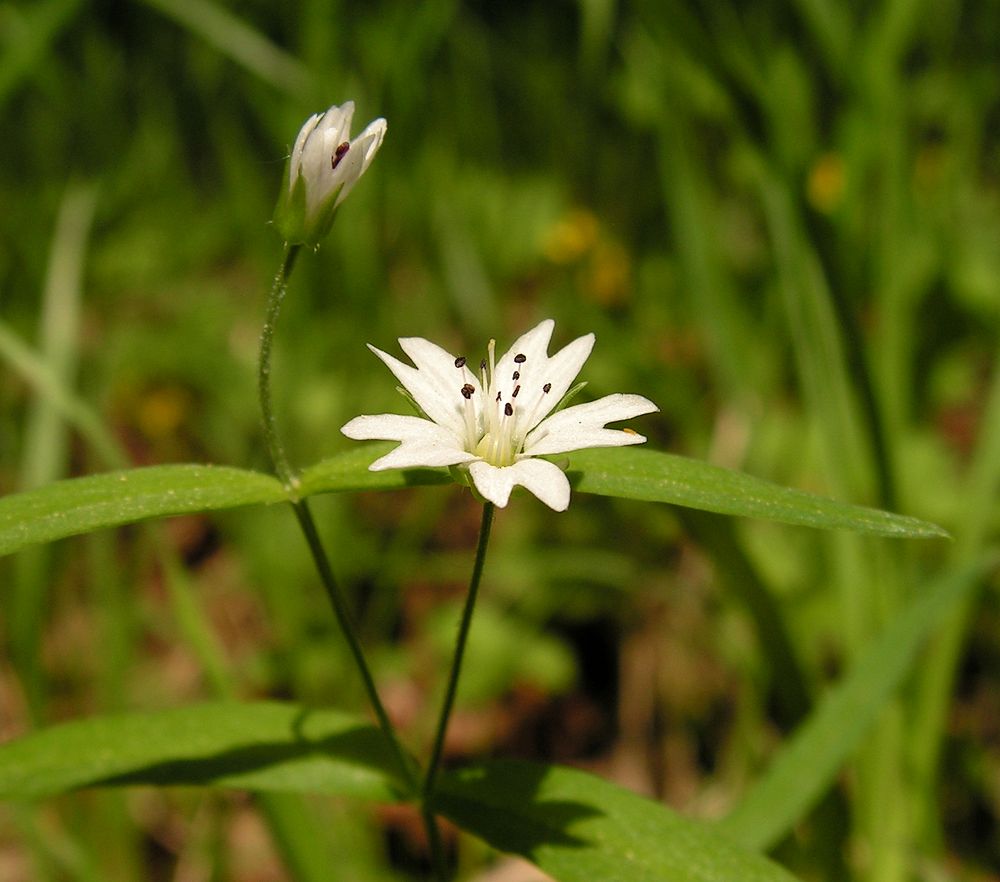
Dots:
{"x": 323, "y": 167}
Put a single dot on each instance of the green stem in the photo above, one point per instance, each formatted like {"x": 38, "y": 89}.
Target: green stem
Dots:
{"x": 284, "y": 471}
{"x": 280, "y": 285}
{"x": 434, "y": 840}
{"x": 456, "y": 665}
{"x": 343, "y": 614}
{"x": 430, "y": 779}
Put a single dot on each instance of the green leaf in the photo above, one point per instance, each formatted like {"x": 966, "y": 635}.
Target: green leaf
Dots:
{"x": 258, "y": 746}
{"x": 68, "y": 508}
{"x": 79, "y": 505}
{"x": 806, "y": 767}
{"x": 654, "y": 476}
{"x": 579, "y": 828}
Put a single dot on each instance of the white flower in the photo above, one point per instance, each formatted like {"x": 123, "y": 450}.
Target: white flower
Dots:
{"x": 324, "y": 166}
{"x": 497, "y": 422}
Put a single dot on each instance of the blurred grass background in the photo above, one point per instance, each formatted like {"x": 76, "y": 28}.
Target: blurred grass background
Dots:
{"x": 782, "y": 220}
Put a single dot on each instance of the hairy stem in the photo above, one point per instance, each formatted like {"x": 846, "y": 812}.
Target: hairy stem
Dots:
{"x": 274, "y": 300}
{"x": 284, "y": 471}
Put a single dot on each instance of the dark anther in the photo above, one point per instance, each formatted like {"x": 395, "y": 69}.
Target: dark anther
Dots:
{"x": 508, "y": 409}
{"x": 517, "y": 376}
{"x": 516, "y": 390}
{"x": 498, "y": 396}
{"x": 467, "y": 391}
{"x": 339, "y": 154}
{"x": 520, "y": 358}
{"x": 547, "y": 388}
{"x": 460, "y": 361}
{"x": 482, "y": 365}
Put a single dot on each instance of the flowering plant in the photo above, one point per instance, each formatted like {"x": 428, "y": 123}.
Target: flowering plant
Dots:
{"x": 492, "y": 427}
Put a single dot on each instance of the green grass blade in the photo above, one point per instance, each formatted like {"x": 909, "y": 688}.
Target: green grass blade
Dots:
{"x": 79, "y": 505}
{"x": 806, "y": 767}
{"x": 579, "y": 828}
{"x": 255, "y": 746}
{"x": 655, "y": 476}
{"x": 46, "y": 439}
{"x": 23, "y": 359}
{"x": 28, "y": 35}
{"x": 243, "y": 44}
{"x": 45, "y": 450}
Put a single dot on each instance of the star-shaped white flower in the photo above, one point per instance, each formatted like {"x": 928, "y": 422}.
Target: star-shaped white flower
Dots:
{"x": 324, "y": 166}
{"x": 498, "y": 422}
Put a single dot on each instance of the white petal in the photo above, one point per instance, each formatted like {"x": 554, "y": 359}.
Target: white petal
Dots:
{"x": 300, "y": 142}
{"x": 582, "y": 425}
{"x": 369, "y": 141}
{"x": 346, "y": 175}
{"x": 541, "y": 477}
{"x": 423, "y": 443}
{"x": 559, "y": 371}
{"x": 333, "y": 128}
{"x": 396, "y": 427}
{"x": 439, "y": 365}
{"x": 440, "y": 401}
{"x": 337, "y": 122}
{"x": 533, "y": 345}
{"x": 421, "y": 454}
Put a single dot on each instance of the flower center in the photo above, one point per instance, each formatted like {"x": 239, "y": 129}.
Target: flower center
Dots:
{"x": 496, "y": 423}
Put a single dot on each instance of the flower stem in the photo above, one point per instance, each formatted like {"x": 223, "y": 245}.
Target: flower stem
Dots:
{"x": 456, "y": 665}
{"x": 287, "y": 476}
{"x": 343, "y": 614}
{"x": 278, "y": 288}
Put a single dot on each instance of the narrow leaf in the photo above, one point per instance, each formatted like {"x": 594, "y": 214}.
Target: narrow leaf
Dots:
{"x": 78, "y": 505}
{"x": 578, "y": 828}
{"x": 655, "y": 476}
{"x": 806, "y": 767}
{"x": 234, "y": 37}
{"x": 259, "y": 746}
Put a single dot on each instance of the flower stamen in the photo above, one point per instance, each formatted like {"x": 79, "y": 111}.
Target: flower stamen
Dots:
{"x": 339, "y": 154}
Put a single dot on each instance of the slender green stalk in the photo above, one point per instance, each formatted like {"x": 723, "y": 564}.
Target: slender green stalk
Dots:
{"x": 343, "y": 614}
{"x": 456, "y": 664}
{"x": 434, "y": 841}
{"x": 274, "y": 300}
{"x": 284, "y": 471}
{"x": 430, "y": 779}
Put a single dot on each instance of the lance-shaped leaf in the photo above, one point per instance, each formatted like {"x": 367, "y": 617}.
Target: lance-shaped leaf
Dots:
{"x": 580, "y": 828}
{"x": 252, "y": 746}
{"x": 79, "y": 505}
{"x": 655, "y": 476}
